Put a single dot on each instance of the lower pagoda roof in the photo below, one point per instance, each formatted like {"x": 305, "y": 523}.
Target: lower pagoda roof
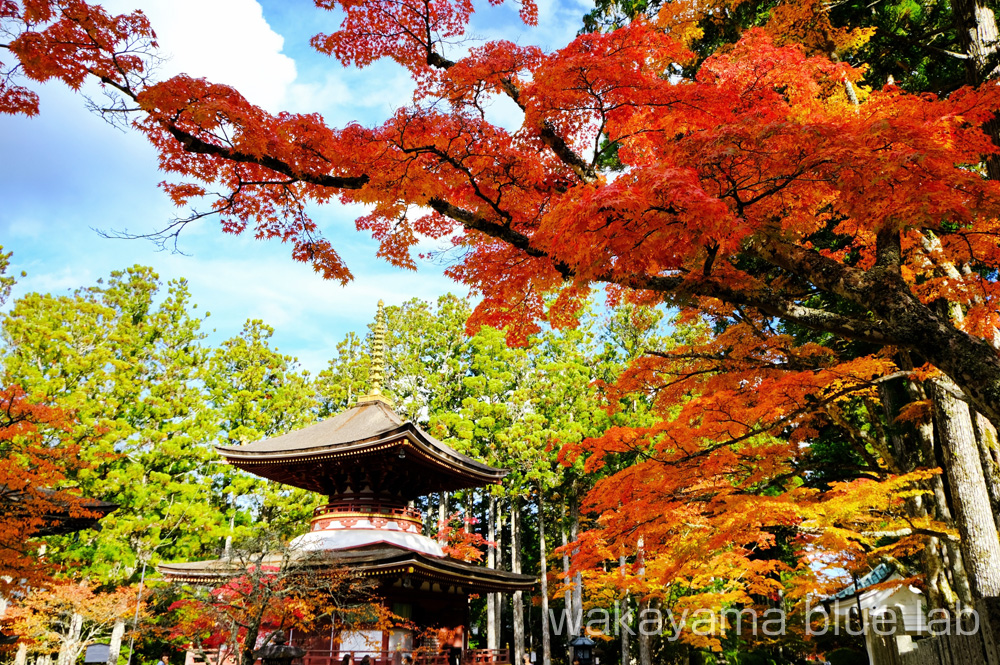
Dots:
{"x": 373, "y": 561}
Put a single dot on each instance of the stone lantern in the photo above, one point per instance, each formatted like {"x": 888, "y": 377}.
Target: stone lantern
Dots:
{"x": 278, "y": 652}
{"x": 583, "y": 649}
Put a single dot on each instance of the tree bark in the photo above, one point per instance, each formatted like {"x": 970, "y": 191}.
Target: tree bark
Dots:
{"x": 574, "y": 534}
{"x": 625, "y": 658}
{"x": 21, "y": 657}
{"x": 644, "y": 639}
{"x": 914, "y": 446}
{"x": 115, "y": 645}
{"x": 980, "y": 543}
{"x": 517, "y": 601}
{"x": 986, "y": 439}
{"x": 442, "y": 509}
{"x": 977, "y": 29}
{"x": 498, "y": 520}
{"x": 492, "y": 641}
{"x": 971, "y": 362}
{"x": 546, "y": 638}
{"x": 567, "y": 587}
{"x": 71, "y": 640}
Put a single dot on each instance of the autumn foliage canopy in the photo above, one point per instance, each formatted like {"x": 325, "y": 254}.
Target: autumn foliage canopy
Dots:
{"x": 826, "y": 231}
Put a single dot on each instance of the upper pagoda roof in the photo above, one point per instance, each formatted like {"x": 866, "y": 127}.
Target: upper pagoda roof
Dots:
{"x": 367, "y": 448}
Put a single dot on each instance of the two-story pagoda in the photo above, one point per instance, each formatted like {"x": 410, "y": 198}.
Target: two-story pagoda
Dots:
{"x": 372, "y": 466}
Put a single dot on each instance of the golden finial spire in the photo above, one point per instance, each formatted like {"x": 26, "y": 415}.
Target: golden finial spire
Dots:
{"x": 376, "y": 373}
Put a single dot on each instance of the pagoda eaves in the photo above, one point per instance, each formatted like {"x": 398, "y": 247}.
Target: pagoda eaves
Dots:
{"x": 366, "y": 449}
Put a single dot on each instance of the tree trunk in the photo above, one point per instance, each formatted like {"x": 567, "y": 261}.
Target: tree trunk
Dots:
{"x": 517, "y": 601}
{"x": 442, "y": 510}
{"x": 498, "y": 520}
{"x": 115, "y": 646}
{"x": 980, "y": 543}
{"x": 574, "y": 533}
{"x": 644, "y": 638}
{"x": 567, "y": 587}
{"x": 250, "y": 643}
{"x": 944, "y": 567}
{"x": 625, "y": 658}
{"x": 492, "y": 639}
{"x": 986, "y": 439}
{"x": 21, "y": 657}
{"x": 546, "y": 638}
{"x": 977, "y": 30}
{"x": 954, "y": 581}
{"x": 71, "y": 641}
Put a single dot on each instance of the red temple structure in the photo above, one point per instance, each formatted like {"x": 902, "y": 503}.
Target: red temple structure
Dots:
{"x": 372, "y": 466}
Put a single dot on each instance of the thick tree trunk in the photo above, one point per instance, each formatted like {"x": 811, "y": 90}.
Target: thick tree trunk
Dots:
{"x": 986, "y": 438}
{"x": 645, "y": 638}
{"x": 546, "y": 637}
{"x": 971, "y": 362}
{"x": 980, "y": 543}
{"x": 517, "y": 600}
{"x": 115, "y": 645}
{"x": 943, "y": 567}
{"x": 977, "y": 29}
{"x": 492, "y": 639}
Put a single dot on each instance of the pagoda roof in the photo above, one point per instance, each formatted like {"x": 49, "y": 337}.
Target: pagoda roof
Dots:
{"x": 381, "y": 560}
{"x": 368, "y": 445}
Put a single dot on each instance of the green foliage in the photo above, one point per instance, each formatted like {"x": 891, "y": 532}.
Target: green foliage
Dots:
{"x": 255, "y": 392}
{"x": 127, "y": 361}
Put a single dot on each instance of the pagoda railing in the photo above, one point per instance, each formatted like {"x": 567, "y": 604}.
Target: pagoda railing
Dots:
{"x": 469, "y": 657}
{"x": 369, "y": 508}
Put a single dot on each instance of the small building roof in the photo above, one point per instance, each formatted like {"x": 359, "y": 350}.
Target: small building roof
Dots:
{"x": 379, "y": 561}
{"x": 877, "y": 575}
{"x": 97, "y": 652}
{"x": 367, "y": 448}
{"x": 61, "y": 517}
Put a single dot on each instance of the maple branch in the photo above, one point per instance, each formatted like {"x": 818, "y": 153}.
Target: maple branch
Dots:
{"x": 193, "y": 144}
{"x": 502, "y": 232}
{"x": 566, "y": 154}
{"x": 779, "y": 422}
{"x": 763, "y": 300}
{"x": 772, "y": 304}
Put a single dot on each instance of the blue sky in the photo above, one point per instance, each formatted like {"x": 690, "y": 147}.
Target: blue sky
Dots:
{"x": 66, "y": 174}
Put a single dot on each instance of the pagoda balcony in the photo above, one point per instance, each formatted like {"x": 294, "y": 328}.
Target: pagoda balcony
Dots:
{"x": 366, "y": 513}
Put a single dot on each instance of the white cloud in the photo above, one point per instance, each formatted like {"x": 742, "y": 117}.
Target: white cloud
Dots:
{"x": 224, "y": 41}
{"x": 344, "y": 95}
